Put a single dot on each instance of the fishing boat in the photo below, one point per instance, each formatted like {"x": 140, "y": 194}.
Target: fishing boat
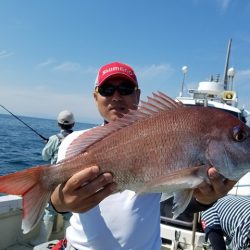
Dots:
{"x": 175, "y": 234}
{"x": 187, "y": 233}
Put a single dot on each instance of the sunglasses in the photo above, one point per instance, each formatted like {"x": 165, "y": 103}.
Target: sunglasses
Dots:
{"x": 123, "y": 89}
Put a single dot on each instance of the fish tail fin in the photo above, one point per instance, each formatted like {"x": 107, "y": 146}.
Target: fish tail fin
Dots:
{"x": 28, "y": 183}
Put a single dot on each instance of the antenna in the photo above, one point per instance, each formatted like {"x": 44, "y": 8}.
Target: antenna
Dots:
{"x": 184, "y": 71}
{"x": 227, "y": 65}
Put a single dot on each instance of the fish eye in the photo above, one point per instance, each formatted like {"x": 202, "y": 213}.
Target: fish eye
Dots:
{"x": 239, "y": 134}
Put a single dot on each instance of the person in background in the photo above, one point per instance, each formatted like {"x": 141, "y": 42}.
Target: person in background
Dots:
{"x": 101, "y": 218}
{"x": 66, "y": 122}
{"x": 229, "y": 217}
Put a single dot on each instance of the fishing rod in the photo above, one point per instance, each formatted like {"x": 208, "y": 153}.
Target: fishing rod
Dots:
{"x": 45, "y": 139}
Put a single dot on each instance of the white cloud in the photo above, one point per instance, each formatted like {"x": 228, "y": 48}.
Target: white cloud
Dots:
{"x": 68, "y": 66}
{"x": 46, "y": 63}
{"x": 224, "y": 5}
{"x": 242, "y": 78}
{"x": 245, "y": 38}
{"x": 47, "y": 104}
{"x": 154, "y": 70}
{"x": 90, "y": 70}
{"x": 245, "y": 72}
{"x": 220, "y": 5}
{"x": 5, "y": 54}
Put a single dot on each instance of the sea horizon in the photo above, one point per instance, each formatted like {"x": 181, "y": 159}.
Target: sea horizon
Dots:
{"x": 20, "y": 146}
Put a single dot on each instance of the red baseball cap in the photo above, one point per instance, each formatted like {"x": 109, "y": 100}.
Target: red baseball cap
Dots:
{"x": 115, "y": 69}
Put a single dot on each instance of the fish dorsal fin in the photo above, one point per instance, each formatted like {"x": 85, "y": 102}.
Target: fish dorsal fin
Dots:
{"x": 159, "y": 102}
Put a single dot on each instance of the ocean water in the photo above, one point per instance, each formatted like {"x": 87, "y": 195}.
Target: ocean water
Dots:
{"x": 20, "y": 147}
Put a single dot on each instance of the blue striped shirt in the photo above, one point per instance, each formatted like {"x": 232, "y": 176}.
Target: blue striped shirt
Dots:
{"x": 231, "y": 214}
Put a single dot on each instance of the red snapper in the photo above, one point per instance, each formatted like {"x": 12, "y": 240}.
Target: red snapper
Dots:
{"x": 164, "y": 146}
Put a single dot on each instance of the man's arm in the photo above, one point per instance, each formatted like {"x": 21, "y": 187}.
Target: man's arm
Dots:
{"x": 48, "y": 150}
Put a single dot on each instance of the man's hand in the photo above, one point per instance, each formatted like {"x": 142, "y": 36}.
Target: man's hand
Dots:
{"x": 207, "y": 194}
{"x": 83, "y": 191}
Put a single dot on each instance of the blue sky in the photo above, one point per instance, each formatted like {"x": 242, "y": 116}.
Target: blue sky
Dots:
{"x": 50, "y": 51}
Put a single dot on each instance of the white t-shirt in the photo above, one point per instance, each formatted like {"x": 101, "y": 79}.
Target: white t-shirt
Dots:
{"x": 123, "y": 220}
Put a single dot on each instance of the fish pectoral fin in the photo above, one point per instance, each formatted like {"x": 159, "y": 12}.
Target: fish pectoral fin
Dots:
{"x": 179, "y": 184}
{"x": 181, "y": 201}
{"x": 175, "y": 181}
{"x": 165, "y": 196}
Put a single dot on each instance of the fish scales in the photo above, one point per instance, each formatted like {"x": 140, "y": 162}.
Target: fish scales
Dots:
{"x": 139, "y": 154}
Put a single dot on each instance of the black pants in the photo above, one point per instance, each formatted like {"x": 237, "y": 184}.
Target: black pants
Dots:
{"x": 216, "y": 239}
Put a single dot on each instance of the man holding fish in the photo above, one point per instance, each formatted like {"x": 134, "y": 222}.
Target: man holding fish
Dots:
{"x": 108, "y": 213}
